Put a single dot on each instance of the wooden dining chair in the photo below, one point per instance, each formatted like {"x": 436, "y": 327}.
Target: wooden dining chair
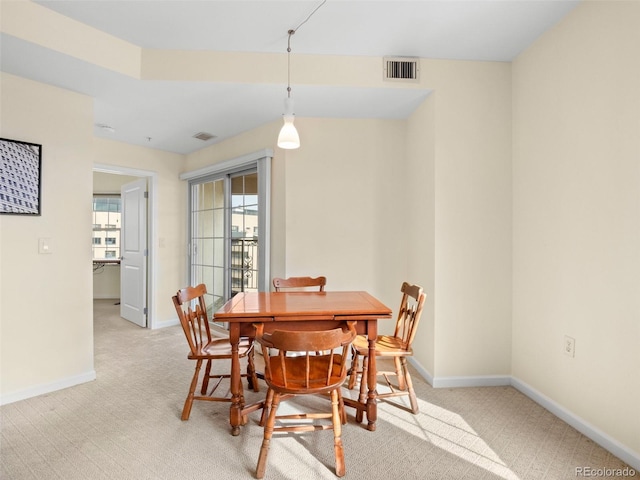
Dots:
{"x": 293, "y": 366}
{"x": 396, "y": 346}
{"x": 192, "y": 312}
{"x": 299, "y": 283}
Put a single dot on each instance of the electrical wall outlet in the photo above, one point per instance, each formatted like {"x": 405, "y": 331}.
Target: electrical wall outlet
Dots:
{"x": 569, "y": 346}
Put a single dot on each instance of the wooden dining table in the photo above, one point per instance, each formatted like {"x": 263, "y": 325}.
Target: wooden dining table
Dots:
{"x": 301, "y": 311}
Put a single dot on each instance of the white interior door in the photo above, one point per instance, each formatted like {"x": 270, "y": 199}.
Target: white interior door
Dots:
{"x": 133, "y": 263}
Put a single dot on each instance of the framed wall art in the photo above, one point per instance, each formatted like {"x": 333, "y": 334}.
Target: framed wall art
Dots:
{"x": 20, "y": 177}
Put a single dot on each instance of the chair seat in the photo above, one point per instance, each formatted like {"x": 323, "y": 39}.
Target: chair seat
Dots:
{"x": 296, "y": 374}
{"x": 386, "y": 345}
{"x": 221, "y": 347}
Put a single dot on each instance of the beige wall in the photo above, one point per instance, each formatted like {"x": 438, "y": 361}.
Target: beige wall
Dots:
{"x": 62, "y": 122}
{"x": 472, "y": 218}
{"x": 110, "y": 183}
{"x": 576, "y": 182}
{"x": 419, "y": 196}
{"x": 45, "y": 302}
{"x": 106, "y": 282}
{"x": 343, "y": 217}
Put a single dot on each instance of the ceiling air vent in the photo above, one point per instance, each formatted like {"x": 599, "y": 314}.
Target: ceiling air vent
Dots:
{"x": 404, "y": 69}
{"x": 204, "y": 136}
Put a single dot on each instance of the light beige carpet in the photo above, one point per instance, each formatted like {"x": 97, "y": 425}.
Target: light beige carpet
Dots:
{"x": 126, "y": 425}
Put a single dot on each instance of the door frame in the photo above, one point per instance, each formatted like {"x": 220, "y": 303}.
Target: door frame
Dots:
{"x": 152, "y": 233}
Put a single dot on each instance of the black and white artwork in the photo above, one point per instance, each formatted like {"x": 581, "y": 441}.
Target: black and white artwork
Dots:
{"x": 20, "y": 177}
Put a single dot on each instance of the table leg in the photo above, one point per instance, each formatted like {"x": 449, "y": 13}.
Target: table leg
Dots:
{"x": 237, "y": 397}
{"x": 372, "y": 407}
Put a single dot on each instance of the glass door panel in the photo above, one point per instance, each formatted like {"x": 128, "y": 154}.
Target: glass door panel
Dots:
{"x": 244, "y": 233}
{"x": 207, "y": 234}
{"x": 224, "y": 235}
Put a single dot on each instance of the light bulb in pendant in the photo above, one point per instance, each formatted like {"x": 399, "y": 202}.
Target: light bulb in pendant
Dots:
{"x": 288, "y": 138}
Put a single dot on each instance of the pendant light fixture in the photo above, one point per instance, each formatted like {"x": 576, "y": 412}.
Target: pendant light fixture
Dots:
{"x": 289, "y": 138}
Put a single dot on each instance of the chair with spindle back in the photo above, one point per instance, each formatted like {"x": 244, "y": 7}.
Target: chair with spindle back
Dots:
{"x": 299, "y": 284}
{"x": 396, "y": 346}
{"x": 192, "y": 311}
{"x": 314, "y": 368}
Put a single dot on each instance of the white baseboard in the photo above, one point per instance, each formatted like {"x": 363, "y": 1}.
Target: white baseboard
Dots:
{"x": 166, "y": 323}
{"x": 476, "y": 381}
{"x": 47, "y": 388}
{"x": 421, "y": 370}
{"x": 454, "y": 382}
{"x": 610, "y": 444}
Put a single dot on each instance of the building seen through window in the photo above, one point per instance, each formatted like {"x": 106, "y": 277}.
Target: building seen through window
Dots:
{"x": 107, "y": 223}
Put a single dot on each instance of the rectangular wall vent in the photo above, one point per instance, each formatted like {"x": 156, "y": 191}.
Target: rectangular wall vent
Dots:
{"x": 204, "y": 136}
{"x": 401, "y": 69}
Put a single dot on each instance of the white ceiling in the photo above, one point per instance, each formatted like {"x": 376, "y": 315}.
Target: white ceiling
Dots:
{"x": 170, "y": 113}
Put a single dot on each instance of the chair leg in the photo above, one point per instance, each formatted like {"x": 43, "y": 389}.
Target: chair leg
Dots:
{"x": 353, "y": 371}
{"x": 266, "y": 408}
{"x": 268, "y": 432}
{"x": 343, "y": 412}
{"x": 205, "y": 379}
{"x": 186, "y": 410}
{"x": 399, "y": 373}
{"x": 412, "y": 394}
{"x": 336, "y": 419}
{"x": 252, "y": 377}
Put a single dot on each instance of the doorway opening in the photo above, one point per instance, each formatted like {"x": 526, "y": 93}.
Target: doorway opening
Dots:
{"x": 137, "y": 280}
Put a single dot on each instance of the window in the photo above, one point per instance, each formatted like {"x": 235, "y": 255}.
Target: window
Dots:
{"x": 107, "y": 216}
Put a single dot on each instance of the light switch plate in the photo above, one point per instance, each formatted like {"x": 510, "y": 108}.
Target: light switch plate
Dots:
{"x": 45, "y": 245}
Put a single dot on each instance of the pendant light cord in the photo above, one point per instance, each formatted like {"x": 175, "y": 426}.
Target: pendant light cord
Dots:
{"x": 291, "y": 32}
{"x": 309, "y": 16}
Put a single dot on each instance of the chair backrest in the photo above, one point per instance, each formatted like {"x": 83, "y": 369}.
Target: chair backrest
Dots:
{"x": 299, "y": 282}
{"x": 306, "y": 361}
{"x": 409, "y": 314}
{"x": 192, "y": 312}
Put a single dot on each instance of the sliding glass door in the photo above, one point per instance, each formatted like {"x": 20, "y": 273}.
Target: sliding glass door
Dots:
{"x": 226, "y": 250}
